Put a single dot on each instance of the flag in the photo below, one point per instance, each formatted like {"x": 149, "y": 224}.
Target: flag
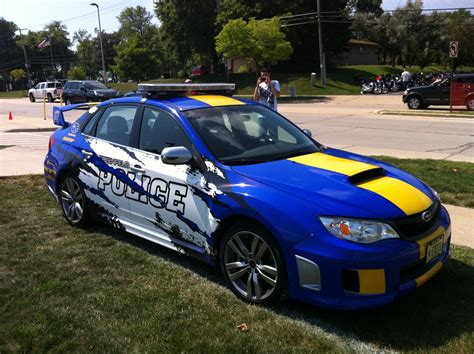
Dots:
{"x": 45, "y": 43}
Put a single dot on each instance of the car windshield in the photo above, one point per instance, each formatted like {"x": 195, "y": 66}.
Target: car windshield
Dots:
{"x": 239, "y": 135}
{"x": 95, "y": 86}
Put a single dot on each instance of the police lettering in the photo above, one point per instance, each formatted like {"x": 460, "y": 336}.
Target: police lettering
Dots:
{"x": 156, "y": 191}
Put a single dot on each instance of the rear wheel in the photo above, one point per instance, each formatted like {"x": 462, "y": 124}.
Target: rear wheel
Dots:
{"x": 32, "y": 98}
{"x": 50, "y": 98}
{"x": 252, "y": 264}
{"x": 73, "y": 201}
{"x": 68, "y": 101}
{"x": 414, "y": 102}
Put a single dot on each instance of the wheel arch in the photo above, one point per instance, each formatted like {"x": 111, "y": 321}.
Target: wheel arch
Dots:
{"x": 234, "y": 219}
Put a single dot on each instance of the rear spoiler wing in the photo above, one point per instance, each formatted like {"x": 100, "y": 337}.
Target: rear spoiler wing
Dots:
{"x": 58, "y": 112}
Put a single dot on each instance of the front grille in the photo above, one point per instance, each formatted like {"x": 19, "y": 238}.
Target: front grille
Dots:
{"x": 413, "y": 227}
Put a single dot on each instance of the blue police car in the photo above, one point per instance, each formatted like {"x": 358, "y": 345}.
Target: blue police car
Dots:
{"x": 236, "y": 184}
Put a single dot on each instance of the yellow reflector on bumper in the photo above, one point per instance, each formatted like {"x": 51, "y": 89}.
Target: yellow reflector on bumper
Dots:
{"x": 371, "y": 281}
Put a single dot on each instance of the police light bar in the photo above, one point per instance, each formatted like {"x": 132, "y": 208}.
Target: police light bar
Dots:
{"x": 148, "y": 90}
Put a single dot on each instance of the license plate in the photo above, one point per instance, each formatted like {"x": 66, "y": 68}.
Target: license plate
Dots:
{"x": 434, "y": 249}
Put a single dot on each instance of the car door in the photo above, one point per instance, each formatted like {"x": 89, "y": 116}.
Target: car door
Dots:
{"x": 42, "y": 91}
{"x": 108, "y": 160}
{"x": 171, "y": 204}
{"x": 81, "y": 93}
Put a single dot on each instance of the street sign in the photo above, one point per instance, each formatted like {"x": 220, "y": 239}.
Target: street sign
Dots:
{"x": 453, "y": 49}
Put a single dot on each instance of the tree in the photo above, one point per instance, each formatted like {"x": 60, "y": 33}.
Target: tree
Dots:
{"x": 366, "y": 6}
{"x": 76, "y": 73}
{"x": 135, "y": 60}
{"x": 88, "y": 55}
{"x": 18, "y": 74}
{"x": 188, "y": 31}
{"x": 136, "y": 20}
{"x": 10, "y": 55}
{"x": 458, "y": 27}
{"x": 259, "y": 41}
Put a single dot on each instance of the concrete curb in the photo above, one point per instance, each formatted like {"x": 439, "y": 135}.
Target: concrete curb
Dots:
{"x": 425, "y": 114}
{"x": 29, "y": 130}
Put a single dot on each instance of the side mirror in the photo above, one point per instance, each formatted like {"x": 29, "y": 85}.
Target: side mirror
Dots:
{"x": 307, "y": 132}
{"x": 176, "y": 155}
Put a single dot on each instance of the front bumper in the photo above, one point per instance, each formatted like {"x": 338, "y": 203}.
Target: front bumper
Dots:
{"x": 404, "y": 98}
{"x": 345, "y": 275}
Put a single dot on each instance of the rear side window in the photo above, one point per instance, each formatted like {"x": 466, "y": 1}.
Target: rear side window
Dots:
{"x": 50, "y": 84}
{"x": 115, "y": 125}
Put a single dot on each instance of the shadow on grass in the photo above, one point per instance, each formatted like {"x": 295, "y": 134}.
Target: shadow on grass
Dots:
{"x": 436, "y": 313}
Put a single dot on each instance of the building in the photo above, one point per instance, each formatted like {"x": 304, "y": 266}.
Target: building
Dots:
{"x": 360, "y": 52}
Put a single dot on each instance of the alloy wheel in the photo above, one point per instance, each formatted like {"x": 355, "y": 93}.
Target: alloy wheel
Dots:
{"x": 251, "y": 266}
{"x": 72, "y": 200}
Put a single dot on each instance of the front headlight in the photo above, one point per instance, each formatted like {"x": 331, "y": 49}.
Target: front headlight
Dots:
{"x": 405, "y": 92}
{"x": 98, "y": 94}
{"x": 358, "y": 230}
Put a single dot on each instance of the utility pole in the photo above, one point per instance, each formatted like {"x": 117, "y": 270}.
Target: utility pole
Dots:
{"x": 27, "y": 65}
{"x": 101, "y": 47}
{"x": 322, "y": 58}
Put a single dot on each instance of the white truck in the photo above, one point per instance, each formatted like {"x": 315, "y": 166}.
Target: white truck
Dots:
{"x": 48, "y": 90}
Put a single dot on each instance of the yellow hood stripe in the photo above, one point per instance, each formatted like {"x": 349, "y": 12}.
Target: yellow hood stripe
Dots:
{"x": 406, "y": 197}
{"x": 332, "y": 163}
{"x": 216, "y": 101}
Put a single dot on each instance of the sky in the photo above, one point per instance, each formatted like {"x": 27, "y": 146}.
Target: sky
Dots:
{"x": 78, "y": 14}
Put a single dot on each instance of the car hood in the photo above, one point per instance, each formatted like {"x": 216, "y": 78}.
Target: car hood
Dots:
{"x": 344, "y": 184}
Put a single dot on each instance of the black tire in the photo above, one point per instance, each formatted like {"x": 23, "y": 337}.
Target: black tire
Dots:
{"x": 68, "y": 102}
{"x": 252, "y": 264}
{"x": 73, "y": 201}
{"x": 32, "y": 98}
{"x": 50, "y": 98}
{"x": 414, "y": 102}
{"x": 470, "y": 104}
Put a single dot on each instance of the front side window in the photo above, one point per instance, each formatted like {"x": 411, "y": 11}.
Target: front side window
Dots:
{"x": 160, "y": 130}
{"x": 248, "y": 134}
{"x": 115, "y": 125}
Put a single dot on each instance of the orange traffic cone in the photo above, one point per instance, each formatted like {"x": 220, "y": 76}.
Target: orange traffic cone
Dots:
{"x": 10, "y": 117}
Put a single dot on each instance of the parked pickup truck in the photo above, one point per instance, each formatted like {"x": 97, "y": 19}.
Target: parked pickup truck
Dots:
{"x": 49, "y": 90}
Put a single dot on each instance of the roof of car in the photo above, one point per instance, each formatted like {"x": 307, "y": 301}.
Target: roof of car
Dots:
{"x": 188, "y": 102}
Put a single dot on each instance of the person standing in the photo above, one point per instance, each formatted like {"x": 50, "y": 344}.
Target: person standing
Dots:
{"x": 267, "y": 90}
{"x": 406, "y": 76}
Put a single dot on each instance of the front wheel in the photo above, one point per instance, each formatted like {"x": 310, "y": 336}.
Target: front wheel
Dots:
{"x": 252, "y": 264}
{"x": 470, "y": 104}
{"x": 73, "y": 201}
{"x": 32, "y": 98}
{"x": 414, "y": 103}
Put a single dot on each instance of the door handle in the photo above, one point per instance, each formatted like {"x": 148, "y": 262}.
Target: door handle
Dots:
{"x": 137, "y": 168}
{"x": 87, "y": 154}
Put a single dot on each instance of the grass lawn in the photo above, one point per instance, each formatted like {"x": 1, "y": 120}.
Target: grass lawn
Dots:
{"x": 14, "y": 94}
{"x": 101, "y": 290}
{"x": 454, "y": 181}
{"x": 341, "y": 80}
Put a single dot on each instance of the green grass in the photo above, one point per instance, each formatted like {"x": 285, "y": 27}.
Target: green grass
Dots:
{"x": 101, "y": 290}
{"x": 454, "y": 181}
{"x": 14, "y": 94}
{"x": 341, "y": 80}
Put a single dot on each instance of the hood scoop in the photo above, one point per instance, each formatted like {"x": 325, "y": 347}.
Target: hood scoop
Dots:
{"x": 367, "y": 175}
